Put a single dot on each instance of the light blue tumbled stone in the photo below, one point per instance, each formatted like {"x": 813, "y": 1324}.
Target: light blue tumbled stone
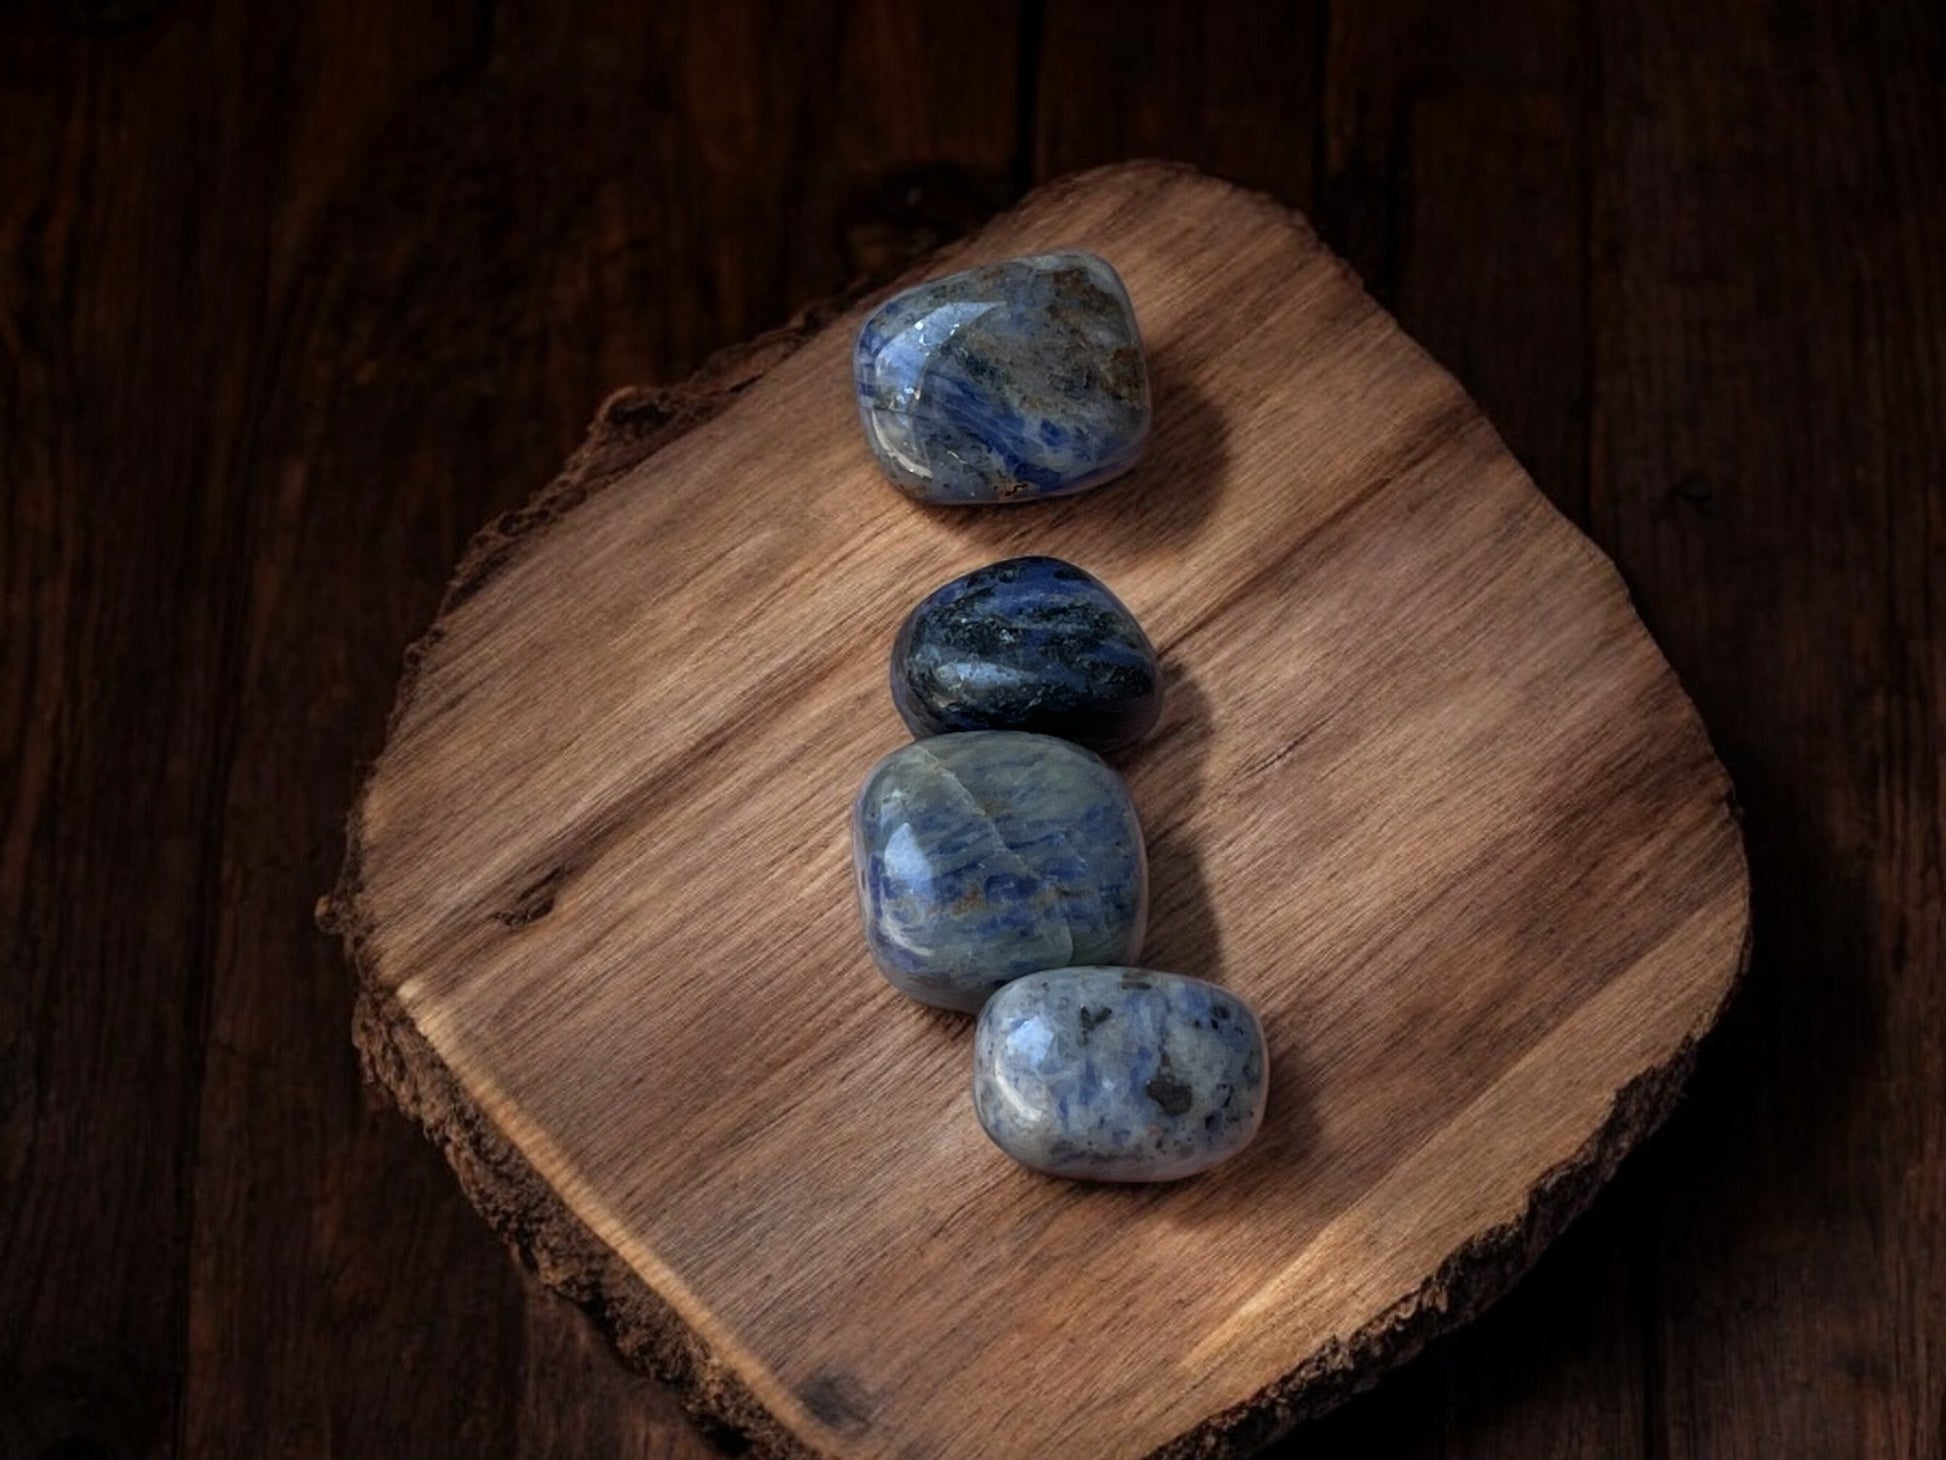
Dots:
{"x": 984, "y": 856}
{"x": 1005, "y": 382}
{"x": 1119, "y": 1074}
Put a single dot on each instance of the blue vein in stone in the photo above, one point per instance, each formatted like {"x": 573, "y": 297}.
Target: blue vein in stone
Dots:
{"x": 984, "y": 856}
{"x": 1005, "y": 382}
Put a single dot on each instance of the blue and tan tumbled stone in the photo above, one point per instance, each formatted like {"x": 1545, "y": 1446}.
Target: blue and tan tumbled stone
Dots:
{"x": 1006, "y": 382}
{"x": 1119, "y": 1074}
{"x": 984, "y": 856}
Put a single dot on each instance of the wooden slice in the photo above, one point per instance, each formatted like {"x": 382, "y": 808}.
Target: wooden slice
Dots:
{"x": 1424, "y": 791}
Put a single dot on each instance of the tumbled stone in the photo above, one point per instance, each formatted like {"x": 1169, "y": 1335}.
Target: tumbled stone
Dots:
{"x": 1119, "y": 1074}
{"x": 1027, "y": 644}
{"x": 1005, "y": 382}
{"x": 984, "y": 856}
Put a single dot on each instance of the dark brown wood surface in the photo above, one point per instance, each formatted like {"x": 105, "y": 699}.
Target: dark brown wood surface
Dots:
{"x": 294, "y": 296}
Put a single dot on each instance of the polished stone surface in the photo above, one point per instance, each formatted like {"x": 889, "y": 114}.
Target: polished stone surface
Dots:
{"x": 1027, "y": 644}
{"x": 1006, "y": 382}
{"x": 1119, "y": 1074}
{"x": 984, "y": 856}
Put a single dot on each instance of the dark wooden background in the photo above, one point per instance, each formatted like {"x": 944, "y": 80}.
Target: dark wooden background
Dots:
{"x": 297, "y": 294}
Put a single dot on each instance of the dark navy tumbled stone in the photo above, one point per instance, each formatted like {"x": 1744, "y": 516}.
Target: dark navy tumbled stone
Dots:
{"x": 1027, "y": 644}
{"x": 985, "y": 856}
{"x": 1005, "y": 382}
{"x": 1119, "y": 1074}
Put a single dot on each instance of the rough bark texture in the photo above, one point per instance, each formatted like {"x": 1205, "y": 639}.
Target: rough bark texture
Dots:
{"x": 529, "y": 1214}
{"x": 522, "y": 1209}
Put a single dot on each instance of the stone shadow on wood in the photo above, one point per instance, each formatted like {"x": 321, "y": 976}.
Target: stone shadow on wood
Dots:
{"x": 1166, "y": 773}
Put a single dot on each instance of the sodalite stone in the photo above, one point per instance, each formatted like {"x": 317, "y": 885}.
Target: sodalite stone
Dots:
{"x": 1119, "y": 1074}
{"x": 1006, "y": 382}
{"x": 985, "y": 856}
{"x": 1027, "y": 644}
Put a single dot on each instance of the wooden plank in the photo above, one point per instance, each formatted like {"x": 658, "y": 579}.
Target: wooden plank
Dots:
{"x": 1513, "y": 928}
{"x": 309, "y": 1207}
{"x": 1228, "y": 88}
{"x": 1770, "y": 469}
{"x": 125, "y": 164}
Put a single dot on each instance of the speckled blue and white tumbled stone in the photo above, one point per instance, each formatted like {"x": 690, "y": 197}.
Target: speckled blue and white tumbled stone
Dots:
{"x": 984, "y": 856}
{"x": 1005, "y": 382}
{"x": 1027, "y": 644}
{"x": 1119, "y": 1074}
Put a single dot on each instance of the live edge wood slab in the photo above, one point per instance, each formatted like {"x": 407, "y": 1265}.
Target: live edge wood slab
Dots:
{"x": 1424, "y": 791}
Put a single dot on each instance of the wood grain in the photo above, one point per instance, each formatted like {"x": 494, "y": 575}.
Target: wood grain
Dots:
{"x": 222, "y": 517}
{"x": 117, "y": 516}
{"x": 1453, "y": 178}
{"x": 1836, "y": 707}
{"x": 1688, "y": 263}
{"x": 1426, "y": 793}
